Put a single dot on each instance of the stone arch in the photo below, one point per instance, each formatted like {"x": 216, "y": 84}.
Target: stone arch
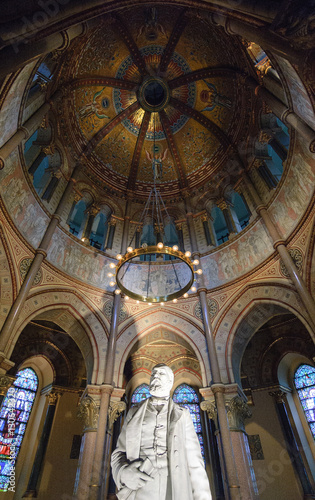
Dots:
{"x": 250, "y": 310}
{"x": 69, "y": 311}
{"x": 140, "y": 328}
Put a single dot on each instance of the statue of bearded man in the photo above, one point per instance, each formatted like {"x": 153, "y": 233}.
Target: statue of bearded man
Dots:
{"x": 158, "y": 454}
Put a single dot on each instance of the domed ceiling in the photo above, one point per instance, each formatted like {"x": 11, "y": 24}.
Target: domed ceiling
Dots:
{"x": 155, "y": 88}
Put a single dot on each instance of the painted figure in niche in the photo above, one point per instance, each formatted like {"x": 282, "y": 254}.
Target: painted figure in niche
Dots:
{"x": 158, "y": 454}
{"x": 213, "y": 99}
{"x": 157, "y": 159}
{"x": 97, "y": 106}
{"x": 151, "y": 27}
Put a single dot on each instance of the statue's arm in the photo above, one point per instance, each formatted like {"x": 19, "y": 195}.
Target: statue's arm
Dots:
{"x": 198, "y": 476}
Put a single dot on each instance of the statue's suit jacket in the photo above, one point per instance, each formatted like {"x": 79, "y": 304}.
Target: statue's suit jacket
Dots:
{"x": 188, "y": 476}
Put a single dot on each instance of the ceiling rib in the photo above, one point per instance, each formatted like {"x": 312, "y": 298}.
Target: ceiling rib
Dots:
{"x": 104, "y": 131}
{"x": 173, "y": 149}
{"x": 200, "y": 74}
{"x": 203, "y": 120}
{"x": 173, "y": 40}
{"x": 131, "y": 45}
{"x": 108, "y": 82}
{"x": 137, "y": 152}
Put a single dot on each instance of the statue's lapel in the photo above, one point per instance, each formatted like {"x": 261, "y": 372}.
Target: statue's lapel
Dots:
{"x": 133, "y": 435}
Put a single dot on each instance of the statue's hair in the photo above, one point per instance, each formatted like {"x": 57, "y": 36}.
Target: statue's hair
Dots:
{"x": 167, "y": 368}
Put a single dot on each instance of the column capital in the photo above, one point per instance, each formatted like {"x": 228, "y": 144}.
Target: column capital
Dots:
{"x": 114, "y": 410}
{"x": 88, "y": 413}
{"x": 53, "y": 396}
{"x": 5, "y": 382}
{"x": 210, "y": 408}
{"x": 48, "y": 150}
{"x": 279, "y": 393}
{"x": 237, "y": 411}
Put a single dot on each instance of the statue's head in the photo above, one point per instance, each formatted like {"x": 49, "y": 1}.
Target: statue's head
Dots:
{"x": 161, "y": 381}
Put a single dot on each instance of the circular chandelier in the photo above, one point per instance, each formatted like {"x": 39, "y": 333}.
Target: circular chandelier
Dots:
{"x": 154, "y": 273}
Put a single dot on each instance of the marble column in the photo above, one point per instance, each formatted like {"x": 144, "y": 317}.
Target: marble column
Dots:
{"x": 262, "y": 35}
{"x": 116, "y": 407}
{"x": 88, "y": 413}
{"x": 92, "y": 212}
{"x": 280, "y": 399}
{"x": 110, "y": 233}
{"x": 17, "y": 55}
{"x": 279, "y": 245}
{"x": 27, "y": 129}
{"x": 38, "y": 464}
{"x": 238, "y": 411}
{"x": 285, "y": 114}
{"x": 179, "y": 230}
{"x": 218, "y": 388}
{"x": 98, "y": 469}
{"x": 40, "y": 255}
{"x": 232, "y": 225}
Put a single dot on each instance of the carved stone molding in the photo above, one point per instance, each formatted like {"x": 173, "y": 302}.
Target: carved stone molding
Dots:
{"x": 5, "y": 382}
{"x": 279, "y": 395}
{"x": 53, "y": 397}
{"x": 114, "y": 410}
{"x": 237, "y": 411}
{"x": 88, "y": 413}
{"x": 210, "y": 408}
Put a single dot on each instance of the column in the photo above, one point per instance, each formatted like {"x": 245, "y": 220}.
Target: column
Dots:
{"x": 280, "y": 399}
{"x": 215, "y": 447}
{"x": 111, "y": 232}
{"x": 52, "y": 185}
{"x": 248, "y": 202}
{"x": 32, "y": 486}
{"x": 285, "y": 114}
{"x": 116, "y": 407}
{"x": 233, "y": 228}
{"x": 5, "y": 383}
{"x": 40, "y": 255}
{"x": 38, "y": 160}
{"x": 92, "y": 212}
{"x": 279, "y": 245}
{"x": 98, "y": 469}
{"x": 17, "y": 55}
{"x": 278, "y": 148}
{"x": 88, "y": 413}
{"x": 262, "y": 35}
{"x": 217, "y": 387}
{"x": 264, "y": 172}
{"x": 237, "y": 411}
{"x": 125, "y": 242}
{"x": 209, "y": 206}
{"x": 179, "y": 229}
{"x": 27, "y": 129}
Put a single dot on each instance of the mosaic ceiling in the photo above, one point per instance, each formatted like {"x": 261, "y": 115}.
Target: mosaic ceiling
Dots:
{"x": 156, "y": 92}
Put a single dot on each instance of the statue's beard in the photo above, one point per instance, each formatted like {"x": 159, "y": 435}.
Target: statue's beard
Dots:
{"x": 158, "y": 391}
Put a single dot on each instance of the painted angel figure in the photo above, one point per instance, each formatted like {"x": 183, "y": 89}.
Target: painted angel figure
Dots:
{"x": 157, "y": 163}
{"x": 213, "y": 99}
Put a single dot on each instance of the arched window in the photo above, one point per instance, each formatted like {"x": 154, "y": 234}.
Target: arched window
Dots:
{"x": 304, "y": 381}
{"x": 142, "y": 392}
{"x": 187, "y": 397}
{"x": 14, "y": 415}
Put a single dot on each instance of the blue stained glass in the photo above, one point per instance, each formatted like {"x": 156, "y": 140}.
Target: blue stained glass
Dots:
{"x": 187, "y": 397}
{"x": 14, "y": 415}
{"x": 304, "y": 380}
{"x": 308, "y": 404}
{"x": 142, "y": 392}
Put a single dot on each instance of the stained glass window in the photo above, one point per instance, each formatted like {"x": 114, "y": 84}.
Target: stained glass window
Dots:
{"x": 142, "y": 392}
{"x": 14, "y": 415}
{"x": 304, "y": 380}
{"x": 187, "y": 397}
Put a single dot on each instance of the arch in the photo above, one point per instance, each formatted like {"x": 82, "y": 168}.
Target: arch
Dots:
{"x": 176, "y": 326}
{"x": 75, "y": 317}
{"x": 237, "y": 328}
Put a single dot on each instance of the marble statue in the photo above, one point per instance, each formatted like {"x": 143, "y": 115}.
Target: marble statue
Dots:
{"x": 158, "y": 454}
